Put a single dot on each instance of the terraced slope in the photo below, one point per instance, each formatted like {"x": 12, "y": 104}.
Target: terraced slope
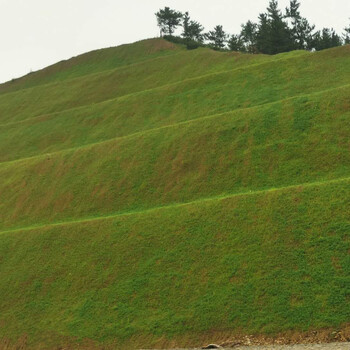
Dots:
{"x": 94, "y": 62}
{"x": 152, "y": 196}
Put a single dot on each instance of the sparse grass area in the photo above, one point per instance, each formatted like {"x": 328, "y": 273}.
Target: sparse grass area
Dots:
{"x": 169, "y": 193}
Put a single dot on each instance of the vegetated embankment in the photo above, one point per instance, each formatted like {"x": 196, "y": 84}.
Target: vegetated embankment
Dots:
{"x": 175, "y": 198}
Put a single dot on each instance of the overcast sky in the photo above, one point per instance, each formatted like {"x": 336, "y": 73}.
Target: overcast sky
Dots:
{"x": 37, "y": 33}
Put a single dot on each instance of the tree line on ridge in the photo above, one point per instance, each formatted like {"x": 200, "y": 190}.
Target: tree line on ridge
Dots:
{"x": 275, "y": 32}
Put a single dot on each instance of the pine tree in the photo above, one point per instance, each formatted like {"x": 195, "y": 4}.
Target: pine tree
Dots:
{"x": 249, "y": 36}
{"x": 346, "y": 35}
{"x": 279, "y": 39}
{"x": 192, "y": 30}
{"x": 336, "y": 40}
{"x": 235, "y": 43}
{"x": 263, "y": 35}
{"x": 168, "y": 20}
{"x": 293, "y": 10}
{"x": 301, "y": 30}
{"x": 326, "y": 39}
{"x": 217, "y": 38}
{"x": 186, "y": 26}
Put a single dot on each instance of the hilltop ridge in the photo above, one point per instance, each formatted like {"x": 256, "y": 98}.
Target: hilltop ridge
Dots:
{"x": 94, "y": 62}
{"x": 153, "y": 196}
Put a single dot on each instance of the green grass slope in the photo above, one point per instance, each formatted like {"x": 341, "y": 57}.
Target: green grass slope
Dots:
{"x": 151, "y": 196}
{"x": 122, "y": 82}
{"x": 288, "y": 142}
{"x": 183, "y": 100}
{"x": 258, "y": 263}
{"x": 93, "y": 62}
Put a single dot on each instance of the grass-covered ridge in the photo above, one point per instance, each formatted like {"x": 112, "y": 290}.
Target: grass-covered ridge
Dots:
{"x": 169, "y": 193}
{"x": 94, "y": 62}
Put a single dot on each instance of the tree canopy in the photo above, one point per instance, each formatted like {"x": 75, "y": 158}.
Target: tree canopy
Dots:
{"x": 274, "y": 32}
{"x": 301, "y": 30}
{"x": 347, "y": 35}
{"x": 249, "y": 36}
{"x": 217, "y": 38}
{"x": 192, "y": 30}
{"x": 168, "y": 20}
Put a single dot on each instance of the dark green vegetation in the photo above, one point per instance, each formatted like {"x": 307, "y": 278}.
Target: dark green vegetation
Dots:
{"x": 275, "y": 32}
{"x": 174, "y": 193}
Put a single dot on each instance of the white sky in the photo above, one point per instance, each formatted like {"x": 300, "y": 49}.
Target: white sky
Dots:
{"x": 37, "y": 33}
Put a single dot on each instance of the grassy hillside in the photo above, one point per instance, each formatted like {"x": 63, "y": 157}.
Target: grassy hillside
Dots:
{"x": 152, "y": 196}
{"x": 122, "y": 82}
{"x": 95, "y": 61}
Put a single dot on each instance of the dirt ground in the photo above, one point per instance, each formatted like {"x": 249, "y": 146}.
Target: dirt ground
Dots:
{"x": 332, "y": 346}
